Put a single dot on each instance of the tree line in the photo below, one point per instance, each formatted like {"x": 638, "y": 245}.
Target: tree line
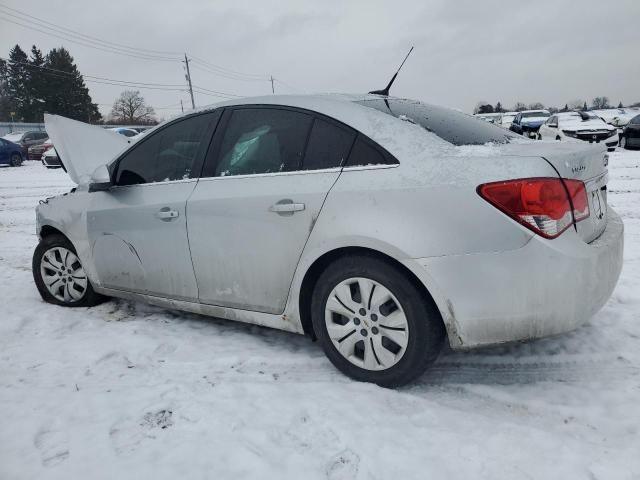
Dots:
{"x": 597, "y": 103}
{"x": 34, "y": 84}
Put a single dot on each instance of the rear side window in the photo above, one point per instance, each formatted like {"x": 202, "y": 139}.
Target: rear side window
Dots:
{"x": 328, "y": 146}
{"x": 263, "y": 140}
{"x": 365, "y": 153}
{"x": 172, "y": 153}
{"x": 635, "y": 120}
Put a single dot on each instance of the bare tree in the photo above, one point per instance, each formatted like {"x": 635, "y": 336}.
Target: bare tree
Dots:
{"x": 130, "y": 108}
{"x": 519, "y": 106}
{"x": 536, "y": 106}
{"x": 600, "y": 102}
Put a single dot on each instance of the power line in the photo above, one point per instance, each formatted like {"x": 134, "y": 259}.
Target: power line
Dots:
{"x": 225, "y": 75}
{"x": 105, "y": 80}
{"x": 86, "y": 44}
{"x": 75, "y": 32}
{"x": 218, "y": 68}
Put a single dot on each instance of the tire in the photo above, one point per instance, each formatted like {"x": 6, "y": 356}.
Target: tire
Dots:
{"x": 55, "y": 254}
{"x": 538, "y": 136}
{"x": 384, "y": 360}
{"x": 623, "y": 143}
{"x": 16, "y": 160}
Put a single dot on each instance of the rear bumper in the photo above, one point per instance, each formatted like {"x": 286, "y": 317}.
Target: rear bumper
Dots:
{"x": 544, "y": 288}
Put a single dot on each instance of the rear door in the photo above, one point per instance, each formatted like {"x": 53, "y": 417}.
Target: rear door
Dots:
{"x": 263, "y": 186}
{"x": 137, "y": 230}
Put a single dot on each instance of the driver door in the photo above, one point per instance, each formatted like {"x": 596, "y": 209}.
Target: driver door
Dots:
{"x": 137, "y": 229}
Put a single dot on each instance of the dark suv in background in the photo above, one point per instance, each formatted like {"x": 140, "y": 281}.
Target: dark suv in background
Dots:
{"x": 630, "y": 136}
{"x": 27, "y": 139}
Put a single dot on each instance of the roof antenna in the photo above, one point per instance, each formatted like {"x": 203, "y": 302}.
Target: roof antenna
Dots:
{"x": 385, "y": 91}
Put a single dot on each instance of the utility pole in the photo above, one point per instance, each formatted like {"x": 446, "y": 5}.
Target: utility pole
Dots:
{"x": 273, "y": 91}
{"x": 188, "y": 77}
{"x": 181, "y": 106}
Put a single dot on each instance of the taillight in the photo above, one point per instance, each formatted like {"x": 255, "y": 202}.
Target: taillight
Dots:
{"x": 548, "y": 206}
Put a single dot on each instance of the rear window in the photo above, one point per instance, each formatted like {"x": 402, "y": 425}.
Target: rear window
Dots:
{"x": 454, "y": 127}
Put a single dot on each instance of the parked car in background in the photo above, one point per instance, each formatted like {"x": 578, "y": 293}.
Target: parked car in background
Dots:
{"x": 35, "y": 151}
{"x": 630, "y": 137}
{"x": 10, "y": 153}
{"x": 127, "y": 132}
{"x": 50, "y": 158}
{"x": 27, "y": 139}
{"x": 579, "y": 126}
{"x": 528, "y": 122}
{"x": 323, "y": 214}
{"x": 489, "y": 117}
{"x": 507, "y": 119}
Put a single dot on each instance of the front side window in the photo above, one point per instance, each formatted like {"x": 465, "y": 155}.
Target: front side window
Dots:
{"x": 263, "y": 140}
{"x": 169, "y": 154}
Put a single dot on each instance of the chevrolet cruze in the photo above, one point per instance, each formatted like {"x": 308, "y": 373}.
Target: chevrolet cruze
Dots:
{"x": 381, "y": 226}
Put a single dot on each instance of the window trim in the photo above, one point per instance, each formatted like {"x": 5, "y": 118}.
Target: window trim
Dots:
{"x": 212, "y": 157}
{"x": 197, "y": 167}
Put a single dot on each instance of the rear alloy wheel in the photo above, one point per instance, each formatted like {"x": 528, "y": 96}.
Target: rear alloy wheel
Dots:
{"x": 59, "y": 275}
{"x": 373, "y": 323}
{"x": 16, "y": 160}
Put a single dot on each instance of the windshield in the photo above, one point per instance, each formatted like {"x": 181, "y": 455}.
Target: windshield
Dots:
{"x": 535, "y": 114}
{"x": 452, "y": 126}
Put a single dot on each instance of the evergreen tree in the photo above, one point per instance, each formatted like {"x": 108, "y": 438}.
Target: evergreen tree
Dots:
{"x": 36, "y": 86}
{"x": 17, "y": 83}
{"x": 566, "y": 108}
{"x": 498, "y": 108}
{"x": 5, "y": 103}
{"x": 67, "y": 93}
{"x": 620, "y": 105}
{"x": 584, "y": 107}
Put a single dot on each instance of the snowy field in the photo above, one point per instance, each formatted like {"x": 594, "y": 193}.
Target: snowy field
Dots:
{"x": 130, "y": 391}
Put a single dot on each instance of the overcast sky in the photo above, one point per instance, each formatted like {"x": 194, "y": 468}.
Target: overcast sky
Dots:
{"x": 550, "y": 51}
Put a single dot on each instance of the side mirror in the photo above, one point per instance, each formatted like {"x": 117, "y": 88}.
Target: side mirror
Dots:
{"x": 100, "y": 180}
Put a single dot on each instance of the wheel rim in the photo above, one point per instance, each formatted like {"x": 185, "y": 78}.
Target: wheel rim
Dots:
{"x": 366, "y": 323}
{"x": 623, "y": 142}
{"x": 15, "y": 160}
{"x": 63, "y": 275}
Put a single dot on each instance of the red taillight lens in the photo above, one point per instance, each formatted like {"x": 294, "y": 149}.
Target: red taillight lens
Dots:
{"x": 545, "y": 205}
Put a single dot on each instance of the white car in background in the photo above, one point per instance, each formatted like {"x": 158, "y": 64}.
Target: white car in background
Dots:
{"x": 489, "y": 117}
{"x": 507, "y": 119}
{"x": 579, "y": 126}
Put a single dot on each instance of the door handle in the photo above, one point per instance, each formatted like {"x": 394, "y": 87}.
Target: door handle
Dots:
{"x": 286, "y": 207}
{"x": 166, "y": 214}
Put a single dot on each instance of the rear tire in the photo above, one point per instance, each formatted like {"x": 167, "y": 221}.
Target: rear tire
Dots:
{"x": 374, "y": 324}
{"x": 59, "y": 275}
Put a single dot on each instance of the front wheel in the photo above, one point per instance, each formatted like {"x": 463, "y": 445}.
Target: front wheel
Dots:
{"x": 374, "y": 324}
{"x": 59, "y": 275}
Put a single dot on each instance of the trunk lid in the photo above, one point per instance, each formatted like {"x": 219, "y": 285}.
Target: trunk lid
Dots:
{"x": 82, "y": 147}
{"x": 587, "y": 163}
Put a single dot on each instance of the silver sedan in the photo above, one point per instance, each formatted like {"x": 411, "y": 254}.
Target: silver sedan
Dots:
{"x": 380, "y": 226}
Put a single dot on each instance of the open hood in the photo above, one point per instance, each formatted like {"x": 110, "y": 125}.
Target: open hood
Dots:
{"x": 82, "y": 147}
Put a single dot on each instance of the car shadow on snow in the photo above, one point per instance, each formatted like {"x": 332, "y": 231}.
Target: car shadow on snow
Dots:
{"x": 563, "y": 358}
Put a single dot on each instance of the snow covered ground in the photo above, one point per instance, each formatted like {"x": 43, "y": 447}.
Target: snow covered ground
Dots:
{"x": 130, "y": 391}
